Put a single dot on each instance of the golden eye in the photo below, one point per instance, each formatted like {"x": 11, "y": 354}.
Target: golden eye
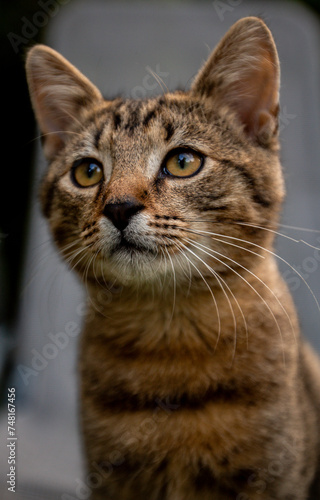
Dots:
{"x": 183, "y": 163}
{"x": 87, "y": 172}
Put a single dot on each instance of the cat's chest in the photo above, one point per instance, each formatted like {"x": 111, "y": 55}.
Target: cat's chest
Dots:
{"x": 187, "y": 435}
{"x": 131, "y": 367}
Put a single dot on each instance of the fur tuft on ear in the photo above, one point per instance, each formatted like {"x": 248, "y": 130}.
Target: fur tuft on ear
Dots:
{"x": 59, "y": 94}
{"x": 243, "y": 74}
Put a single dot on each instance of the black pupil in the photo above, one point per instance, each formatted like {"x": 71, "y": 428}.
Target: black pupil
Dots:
{"x": 91, "y": 170}
{"x": 183, "y": 160}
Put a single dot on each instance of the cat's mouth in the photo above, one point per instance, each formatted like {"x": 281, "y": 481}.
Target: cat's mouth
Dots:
{"x": 129, "y": 260}
{"x": 132, "y": 248}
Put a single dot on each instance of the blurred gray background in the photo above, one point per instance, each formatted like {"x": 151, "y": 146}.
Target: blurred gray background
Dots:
{"x": 117, "y": 45}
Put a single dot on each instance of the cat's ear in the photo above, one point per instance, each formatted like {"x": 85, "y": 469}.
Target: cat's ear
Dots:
{"x": 243, "y": 74}
{"x": 59, "y": 94}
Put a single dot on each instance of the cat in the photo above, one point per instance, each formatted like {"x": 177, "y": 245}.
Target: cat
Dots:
{"x": 195, "y": 382}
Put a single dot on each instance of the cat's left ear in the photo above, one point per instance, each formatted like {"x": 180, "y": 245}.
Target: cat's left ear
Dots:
{"x": 243, "y": 74}
{"x": 59, "y": 94}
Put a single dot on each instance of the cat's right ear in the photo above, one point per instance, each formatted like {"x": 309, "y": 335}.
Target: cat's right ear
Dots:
{"x": 243, "y": 75}
{"x": 59, "y": 93}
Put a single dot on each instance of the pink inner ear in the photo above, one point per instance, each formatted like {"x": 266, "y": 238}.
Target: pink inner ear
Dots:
{"x": 255, "y": 97}
{"x": 53, "y": 124}
{"x": 243, "y": 74}
{"x": 60, "y": 95}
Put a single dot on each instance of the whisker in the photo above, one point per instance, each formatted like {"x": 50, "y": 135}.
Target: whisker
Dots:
{"x": 174, "y": 285}
{"x": 187, "y": 275}
{"x": 254, "y": 290}
{"x": 306, "y": 229}
{"x": 199, "y": 332}
{"x": 250, "y": 272}
{"x": 220, "y": 279}
{"x": 91, "y": 264}
{"x": 40, "y": 136}
{"x": 309, "y": 245}
{"x": 86, "y": 276}
{"x": 70, "y": 259}
{"x": 241, "y": 248}
{"x": 280, "y": 234}
{"x": 200, "y": 231}
{"x": 38, "y": 269}
{"x": 163, "y": 258}
{"x": 82, "y": 254}
{"x": 210, "y": 290}
{"x": 36, "y": 265}
{"x": 159, "y": 80}
{"x": 215, "y": 274}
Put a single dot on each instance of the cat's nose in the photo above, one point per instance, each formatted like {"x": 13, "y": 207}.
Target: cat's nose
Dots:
{"x": 120, "y": 213}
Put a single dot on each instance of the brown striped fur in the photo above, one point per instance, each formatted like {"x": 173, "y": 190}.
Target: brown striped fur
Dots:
{"x": 195, "y": 381}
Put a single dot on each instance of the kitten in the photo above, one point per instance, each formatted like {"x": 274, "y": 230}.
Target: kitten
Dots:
{"x": 195, "y": 383}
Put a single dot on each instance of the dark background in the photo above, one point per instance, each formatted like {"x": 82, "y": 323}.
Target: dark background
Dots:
{"x": 17, "y": 154}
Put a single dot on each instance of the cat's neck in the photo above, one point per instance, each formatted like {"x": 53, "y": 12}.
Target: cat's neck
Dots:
{"x": 205, "y": 313}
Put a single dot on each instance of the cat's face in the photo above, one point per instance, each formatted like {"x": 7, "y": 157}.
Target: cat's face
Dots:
{"x": 141, "y": 191}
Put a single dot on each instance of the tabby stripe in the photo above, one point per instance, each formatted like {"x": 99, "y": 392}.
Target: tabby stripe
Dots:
{"x": 123, "y": 400}
{"x": 132, "y": 123}
{"x": 96, "y": 140}
{"x": 102, "y": 113}
{"x": 258, "y": 196}
{"x": 213, "y": 208}
{"x": 153, "y": 113}
{"x": 169, "y": 128}
{"x": 149, "y": 116}
{"x": 89, "y": 226}
{"x": 158, "y": 183}
{"x": 95, "y": 115}
{"x": 205, "y": 481}
{"x": 131, "y": 470}
{"x": 161, "y": 101}
{"x": 117, "y": 119}
{"x": 163, "y": 493}
{"x": 88, "y": 235}
{"x": 134, "y": 120}
{"x": 99, "y": 191}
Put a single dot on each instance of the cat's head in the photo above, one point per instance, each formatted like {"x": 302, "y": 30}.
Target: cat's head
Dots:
{"x": 174, "y": 186}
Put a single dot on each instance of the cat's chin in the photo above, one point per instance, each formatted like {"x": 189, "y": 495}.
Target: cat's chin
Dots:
{"x": 129, "y": 266}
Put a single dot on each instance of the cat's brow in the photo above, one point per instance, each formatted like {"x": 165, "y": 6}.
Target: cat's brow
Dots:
{"x": 97, "y": 136}
{"x": 102, "y": 118}
{"x": 132, "y": 117}
{"x": 129, "y": 115}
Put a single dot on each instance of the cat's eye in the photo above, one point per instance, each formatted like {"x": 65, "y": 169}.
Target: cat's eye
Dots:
{"x": 87, "y": 172}
{"x": 183, "y": 162}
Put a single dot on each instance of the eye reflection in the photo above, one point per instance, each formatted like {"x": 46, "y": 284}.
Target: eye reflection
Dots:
{"x": 183, "y": 163}
{"x": 87, "y": 172}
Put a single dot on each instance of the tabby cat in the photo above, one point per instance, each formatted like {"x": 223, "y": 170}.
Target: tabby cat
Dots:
{"x": 195, "y": 384}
